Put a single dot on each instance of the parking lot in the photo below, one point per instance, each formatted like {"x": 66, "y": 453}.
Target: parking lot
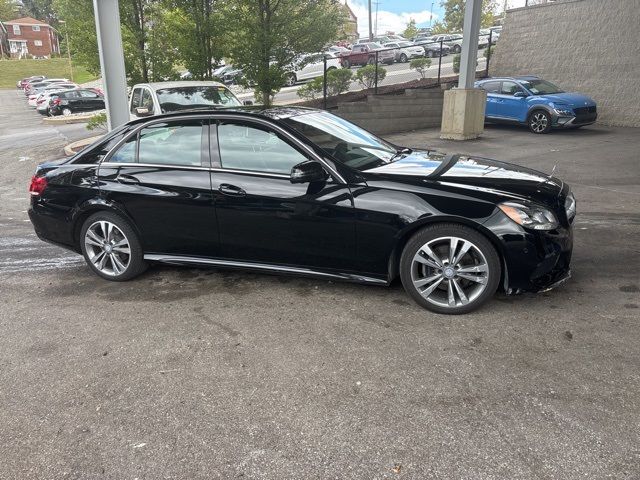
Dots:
{"x": 203, "y": 373}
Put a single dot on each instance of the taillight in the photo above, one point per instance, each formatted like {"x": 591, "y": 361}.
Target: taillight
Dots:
{"x": 38, "y": 184}
{"x": 55, "y": 101}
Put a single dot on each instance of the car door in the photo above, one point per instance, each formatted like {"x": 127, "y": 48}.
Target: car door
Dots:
{"x": 493, "y": 98}
{"x": 262, "y": 216}
{"x": 91, "y": 100}
{"x": 512, "y": 107}
{"x": 159, "y": 177}
{"x": 71, "y": 100}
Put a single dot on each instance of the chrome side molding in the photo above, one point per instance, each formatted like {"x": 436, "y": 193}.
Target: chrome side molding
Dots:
{"x": 186, "y": 260}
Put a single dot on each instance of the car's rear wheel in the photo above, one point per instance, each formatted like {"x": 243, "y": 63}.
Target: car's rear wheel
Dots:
{"x": 290, "y": 79}
{"x": 403, "y": 58}
{"x": 66, "y": 111}
{"x": 539, "y": 121}
{"x": 457, "y": 49}
{"x": 346, "y": 64}
{"x": 450, "y": 268}
{"x": 111, "y": 247}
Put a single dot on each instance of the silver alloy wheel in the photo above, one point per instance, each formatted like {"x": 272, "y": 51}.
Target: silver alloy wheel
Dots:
{"x": 107, "y": 248}
{"x": 66, "y": 112}
{"x": 449, "y": 272}
{"x": 291, "y": 79}
{"x": 539, "y": 122}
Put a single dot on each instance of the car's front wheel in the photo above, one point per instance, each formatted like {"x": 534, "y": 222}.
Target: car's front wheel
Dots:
{"x": 449, "y": 268}
{"x": 290, "y": 79}
{"x": 111, "y": 247}
{"x": 539, "y": 122}
{"x": 403, "y": 58}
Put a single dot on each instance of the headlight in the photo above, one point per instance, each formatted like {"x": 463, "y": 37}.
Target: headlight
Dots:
{"x": 570, "y": 206}
{"x": 564, "y": 111}
{"x": 530, "y": 216}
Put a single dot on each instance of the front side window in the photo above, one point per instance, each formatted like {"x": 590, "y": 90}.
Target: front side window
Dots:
{"x": 167, "y": 143}
{"x": 87, "y": 94}
{"x": 135, "y": 99}
{"x": 245, "y": 146}
{"x": 510, "y": 88}
{"x": 184, "y": 98}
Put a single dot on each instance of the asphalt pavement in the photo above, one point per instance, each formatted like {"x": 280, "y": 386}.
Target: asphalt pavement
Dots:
{"x": 213, "y": 374}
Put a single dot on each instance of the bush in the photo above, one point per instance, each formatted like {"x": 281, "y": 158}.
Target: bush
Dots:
{"x": 492, "y": 48}
{"x": 366, "y": 76}
{"x": 338, "y": 81}
{"x": 98, "y": 121}
{"x": 312, "y": 89}
{"x": 420, "y": 65}
{"x": 456, "y": 63}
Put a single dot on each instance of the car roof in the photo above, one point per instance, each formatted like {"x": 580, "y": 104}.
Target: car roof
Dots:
{"x": 181, "y": 84}
{"x": 259, "y": 111}
{"x": 518, "y": 77}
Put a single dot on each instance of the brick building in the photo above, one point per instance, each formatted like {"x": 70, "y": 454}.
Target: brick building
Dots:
{"x": 31, "y": 37}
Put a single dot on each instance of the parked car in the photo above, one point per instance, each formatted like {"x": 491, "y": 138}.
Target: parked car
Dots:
{"x": 405, "y": 51}
{"x": 487, "y": 32}
{"x": 75, "y": 101}
{"x": 30, "y": 86}
{"x": 149, "y": 99}
{"x": 307, "y": 67}
{"x": 366, "y": 54}
{"x": 300, "y": 191}
{"x": 35, "y": 78}
{"x": 537, "y": 103}
{"x": 336, "y": 50}
{"x": 432, "y": 49}
{"x": 42, "y": 102}
{"x": 36, "y": 93}
{"x": 454, "y": 42}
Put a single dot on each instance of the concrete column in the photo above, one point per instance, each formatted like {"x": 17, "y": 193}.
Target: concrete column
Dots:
{"x": 469, "y": 53}
{"x": 463, "y": 108}
{"x": 112, "y": 61}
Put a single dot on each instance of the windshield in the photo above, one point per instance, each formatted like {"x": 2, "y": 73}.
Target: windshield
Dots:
{"x": 182, "y": 98}
{"x": 375, "y": 46}
{"x": 343, "y": 140}
{"x": 540, "y": 87}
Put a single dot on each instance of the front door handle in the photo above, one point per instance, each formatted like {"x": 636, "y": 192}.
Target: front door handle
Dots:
{"x": 128, "y": 179}
{"x": 231, "y": 190}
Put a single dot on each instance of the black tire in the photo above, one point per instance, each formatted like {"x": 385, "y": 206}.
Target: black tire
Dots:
{"x": 346, "y": 64}
{"x": 457, "y": 49}
{"x": 403, "y": 58}
{"x": 478, "y": 292}
{"x": 539, "y": 121}
{"x": 331, "y": 68}
{"x": 136, "y": 264}
{"x": 371, "y": 61}
{"x": 431, "y": 54}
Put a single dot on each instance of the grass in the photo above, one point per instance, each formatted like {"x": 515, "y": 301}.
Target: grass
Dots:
{"x": 13, "y": 70}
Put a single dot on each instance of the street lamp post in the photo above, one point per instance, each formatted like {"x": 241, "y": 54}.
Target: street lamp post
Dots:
{"x": 431, "y": 14}
{"x": 66, "y": 32}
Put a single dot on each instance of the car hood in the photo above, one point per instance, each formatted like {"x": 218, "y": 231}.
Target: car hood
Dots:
{"x": 470, "y": 172}
{"x": 572, "y": 99}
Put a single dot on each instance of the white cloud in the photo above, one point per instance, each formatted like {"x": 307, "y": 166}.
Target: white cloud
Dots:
{"x": 387, "y": 21}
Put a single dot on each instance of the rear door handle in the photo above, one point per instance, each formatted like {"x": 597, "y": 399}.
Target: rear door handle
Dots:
{"x": 231, "y": 190}
{"x": 128, "y": 179}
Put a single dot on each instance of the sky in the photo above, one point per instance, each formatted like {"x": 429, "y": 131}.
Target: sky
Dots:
{"x": 393, "y": 15}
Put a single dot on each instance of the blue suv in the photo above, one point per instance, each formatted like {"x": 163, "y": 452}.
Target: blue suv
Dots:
{"x": 536, "y": 103}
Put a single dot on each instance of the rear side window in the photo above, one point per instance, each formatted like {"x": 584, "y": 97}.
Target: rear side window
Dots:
{"x": 166, "y": 143}
{"x": 491, "y": 87}
{"x": 97, "y": 153}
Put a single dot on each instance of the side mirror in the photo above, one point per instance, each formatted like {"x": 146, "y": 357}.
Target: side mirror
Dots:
{"x": 307, "y": 172}
{"x": 143, "y": 112}
{"x": 520, "y": 94}
{"x": 247, "y": 102}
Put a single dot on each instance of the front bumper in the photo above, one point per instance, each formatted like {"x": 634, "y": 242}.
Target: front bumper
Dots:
{"x": 534, "y": 261}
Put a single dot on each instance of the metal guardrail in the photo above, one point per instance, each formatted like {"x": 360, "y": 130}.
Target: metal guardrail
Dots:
{"x": 440, "y": 51}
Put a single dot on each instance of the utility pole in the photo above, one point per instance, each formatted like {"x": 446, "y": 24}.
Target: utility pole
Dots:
{"x": 431, "y": 14}
{"x": 370, "y": 25}
{"x": 66, "y": 32}
{"x": 375, "y": 28}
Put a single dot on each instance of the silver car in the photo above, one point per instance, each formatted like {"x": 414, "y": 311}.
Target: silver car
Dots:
{"x": 405, "y": 51}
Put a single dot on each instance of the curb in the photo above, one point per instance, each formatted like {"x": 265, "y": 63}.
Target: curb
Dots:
{"x": 75, "y": 147}
{"x": 70, "y": 119}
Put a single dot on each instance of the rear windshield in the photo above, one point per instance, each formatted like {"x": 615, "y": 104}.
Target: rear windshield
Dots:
{"x": 540, "y": 87}
{"x": 184, "y": 98}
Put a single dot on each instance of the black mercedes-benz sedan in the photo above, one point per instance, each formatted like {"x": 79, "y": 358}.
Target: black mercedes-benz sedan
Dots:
{"x": 301, "y": 191}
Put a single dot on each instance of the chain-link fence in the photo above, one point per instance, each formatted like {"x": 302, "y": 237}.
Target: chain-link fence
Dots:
{"x": 373, "y": 68}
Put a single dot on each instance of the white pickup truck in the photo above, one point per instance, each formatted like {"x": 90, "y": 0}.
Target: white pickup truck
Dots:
{"x": 149, "y": 99}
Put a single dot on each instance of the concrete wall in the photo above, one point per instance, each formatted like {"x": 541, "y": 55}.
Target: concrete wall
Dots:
{"x": 591, "y": 46}
{"x": 382, "y": 114}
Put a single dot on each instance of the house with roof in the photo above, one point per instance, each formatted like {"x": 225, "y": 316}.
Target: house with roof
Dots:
{"x": 349, "y": 28}
{"x": 29, "y": 37}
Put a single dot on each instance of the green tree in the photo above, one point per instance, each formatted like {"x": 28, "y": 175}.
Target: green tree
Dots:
{"x": 366, "y": 76}
{"x": 411, "y": 31}
{"x": 420, "y": 65}
{"x": 267, "y": 35}
{"x": 454, "y": 14}
{"x": 40, "y": 10}
{"x": 8, "y": 10}
{"x": 199, "y": 33}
